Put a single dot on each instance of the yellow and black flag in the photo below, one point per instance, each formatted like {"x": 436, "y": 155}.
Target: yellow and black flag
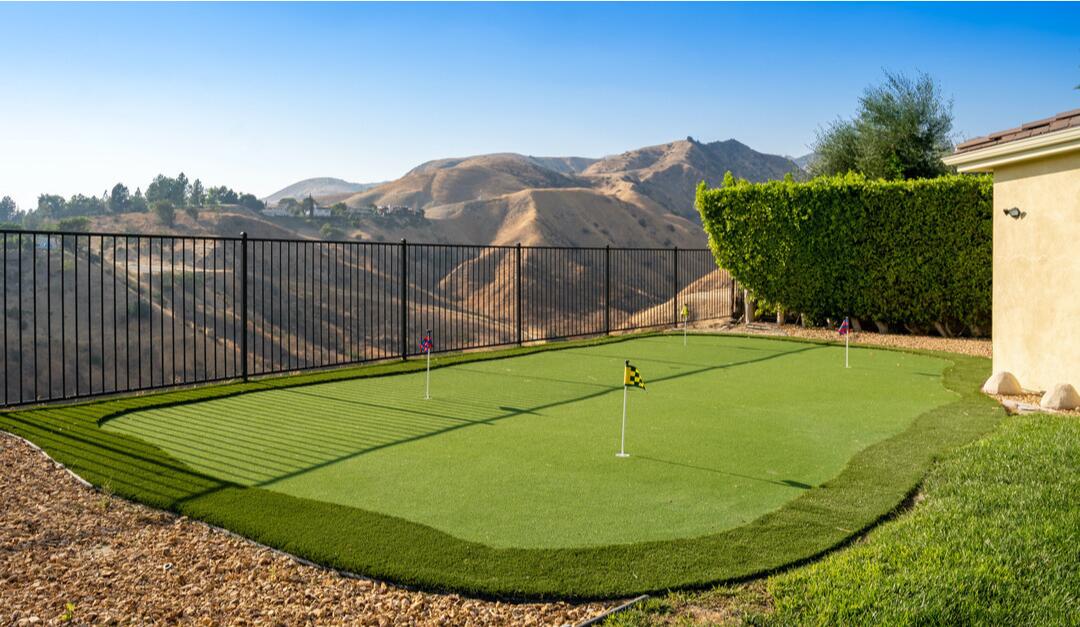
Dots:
{"x": 631, "y": 376}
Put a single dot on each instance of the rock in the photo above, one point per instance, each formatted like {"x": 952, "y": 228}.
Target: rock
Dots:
{"x": 1002, "y": 383}
{"x": 1063, "y": 396}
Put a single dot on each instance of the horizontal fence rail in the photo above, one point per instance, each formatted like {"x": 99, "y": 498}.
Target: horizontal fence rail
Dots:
{"x": 87, "y": 314}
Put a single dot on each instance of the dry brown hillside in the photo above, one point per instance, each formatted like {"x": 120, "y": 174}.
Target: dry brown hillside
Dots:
{"x": 641, "y": 197}
{"x": 669, "y": 173}
{"x": 227, "y": 221}
{"x": 448, "y": 181}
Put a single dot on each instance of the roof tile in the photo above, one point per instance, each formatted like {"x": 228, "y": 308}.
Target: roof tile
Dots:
{"x": 1061, "y": 121}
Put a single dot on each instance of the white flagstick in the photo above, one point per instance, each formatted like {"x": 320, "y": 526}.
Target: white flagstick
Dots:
{"x": 622, "y": 439}
{"x": 846, "y": 337}
{"x": 684, "y": 330}
{"x": 427, "y": 378}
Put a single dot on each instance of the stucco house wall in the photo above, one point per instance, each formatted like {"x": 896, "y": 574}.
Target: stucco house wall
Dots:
{"x": 1036, "y": 274}
{"x": 1036, "y": 327}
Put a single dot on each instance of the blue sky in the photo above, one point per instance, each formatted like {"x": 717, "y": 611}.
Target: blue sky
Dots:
{"x": 257, "y": 96}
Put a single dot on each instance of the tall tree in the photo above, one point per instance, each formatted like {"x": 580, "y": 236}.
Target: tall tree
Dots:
{"x": 8, "y": 208}
{"x": 901, "y": 130}
{"x": 51, "y": 206}
{"x": 119, "y": 199}
{"x": 138, "y": 201}
{"x": 196, "y": 193}
{"x": 173, "y": 190}
{"x": 181, "y": 191}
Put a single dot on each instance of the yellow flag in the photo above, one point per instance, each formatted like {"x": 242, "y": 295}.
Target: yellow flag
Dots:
{"x": 631, "y": 376}
{"x": 685, "y": 313}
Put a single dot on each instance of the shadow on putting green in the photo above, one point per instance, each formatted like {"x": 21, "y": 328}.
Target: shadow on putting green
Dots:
{"x": 787, "y": 483}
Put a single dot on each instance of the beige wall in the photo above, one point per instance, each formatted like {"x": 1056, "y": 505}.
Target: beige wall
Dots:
{"x": 1037, "y": 271}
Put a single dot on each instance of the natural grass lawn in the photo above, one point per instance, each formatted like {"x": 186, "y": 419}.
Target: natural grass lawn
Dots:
{"x": 521, "y": 452}
{"x": 995, "y": 539}
{"x": 799, "y": 421}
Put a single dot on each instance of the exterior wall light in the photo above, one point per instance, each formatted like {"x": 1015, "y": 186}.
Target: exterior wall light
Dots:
{"x": 1015, "y": 213}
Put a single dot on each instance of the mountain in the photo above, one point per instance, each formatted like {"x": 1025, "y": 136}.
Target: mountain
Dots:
{"x": 446, "y": 181}
{"x": 642, "y": 197}
{"x": 323, "y": 189}
{"x": 668, "y": 174}
{"x": 806, "y": 161}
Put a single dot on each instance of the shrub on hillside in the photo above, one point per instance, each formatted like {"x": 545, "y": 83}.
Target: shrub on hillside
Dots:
{"x": 74, "y": 224}
{"x": 329, "y": 231}
{"x": 164, "y": 211}
{"x": 915, "y": 253}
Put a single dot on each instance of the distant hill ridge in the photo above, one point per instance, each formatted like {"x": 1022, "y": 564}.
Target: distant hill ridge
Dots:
{"x": 639, "y": 197}
{"x": 319, "y": 188}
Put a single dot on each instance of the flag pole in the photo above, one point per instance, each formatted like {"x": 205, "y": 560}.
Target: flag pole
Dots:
{"x": 427, "y": 373}
{"x": 622, "y": 438}
{"x": 847, "y": 342}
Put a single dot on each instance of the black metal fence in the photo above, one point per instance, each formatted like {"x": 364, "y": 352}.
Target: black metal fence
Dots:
{"x": 103, "y": 313}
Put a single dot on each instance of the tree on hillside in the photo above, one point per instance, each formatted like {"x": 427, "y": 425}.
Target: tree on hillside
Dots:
{"x": 138, "y": 201}
{"x": 249, "y": 201}
{"x": 119, "y": 199}
{"x": 221, "y": 195}
{"x": 901, "y": 130}
{"x": 196, "y": 194}
{"x": 309, "y": 206}
{"x": 183, "y": 186}
{"x": 80, "y": 205}
{"x": 51, "y": 205}
{"x": 8, "y": 209}
{"x": 173, "y": 190}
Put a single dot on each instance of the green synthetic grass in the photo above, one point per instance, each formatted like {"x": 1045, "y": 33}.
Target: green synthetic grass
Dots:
{"x": 520, "y": 452}
{"x": 874, "y": 480}
{"x": 996, "y": 542}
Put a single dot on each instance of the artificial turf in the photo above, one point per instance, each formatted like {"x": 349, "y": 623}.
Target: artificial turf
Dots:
{"x": 519, "y": 453}
{"x": 876, "y": 477}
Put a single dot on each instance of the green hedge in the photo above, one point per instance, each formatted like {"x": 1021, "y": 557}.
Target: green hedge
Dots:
{"x": 911, "y": 253}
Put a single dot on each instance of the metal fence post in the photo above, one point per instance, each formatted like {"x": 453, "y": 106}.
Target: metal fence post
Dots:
{"x": 243, "y": 304}
{"x": 607, "y": 289}
{"x": 675, "y": 294}
{"x": 517, "y": 274}
{"x": 404, "y": 297}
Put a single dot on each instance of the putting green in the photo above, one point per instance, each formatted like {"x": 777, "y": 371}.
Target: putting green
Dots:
{"x": 520, "y": 452}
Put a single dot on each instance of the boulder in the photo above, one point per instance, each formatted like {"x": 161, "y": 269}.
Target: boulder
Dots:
{"x": 1002, "y": 383}
{"x": 1063, "y": 396}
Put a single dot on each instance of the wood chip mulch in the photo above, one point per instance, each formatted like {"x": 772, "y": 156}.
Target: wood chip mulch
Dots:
{"x": 72, "y": 555}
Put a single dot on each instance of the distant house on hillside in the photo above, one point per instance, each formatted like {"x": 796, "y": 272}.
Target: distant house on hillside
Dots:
{"x": 292, "y": 207}
{"x": 1036, "y": 288}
